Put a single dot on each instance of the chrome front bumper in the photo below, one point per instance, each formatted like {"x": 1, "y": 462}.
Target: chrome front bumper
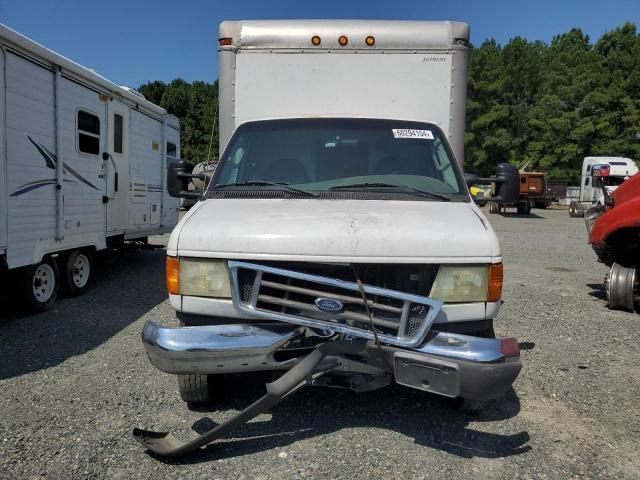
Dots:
{"x": 479, "y": 365}
{"x": 215, "y": 348}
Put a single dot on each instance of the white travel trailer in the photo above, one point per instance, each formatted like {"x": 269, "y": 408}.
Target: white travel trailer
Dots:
{"x": 599, "y": 172}
{"x": 82, "y": 168}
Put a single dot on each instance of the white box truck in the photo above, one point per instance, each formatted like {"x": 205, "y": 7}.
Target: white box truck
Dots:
{"x": 599, "y": 177}
{"x": 83, "y": 166}
{"x": 337, "y": 240}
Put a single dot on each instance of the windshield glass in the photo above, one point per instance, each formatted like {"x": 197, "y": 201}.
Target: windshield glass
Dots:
{"x": 608, "y": 181}
{"x": 340, "y": 154}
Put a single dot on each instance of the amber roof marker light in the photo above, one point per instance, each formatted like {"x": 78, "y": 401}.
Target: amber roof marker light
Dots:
{"x": 315, "y": 40}
{"x": 343, "y": 40}
{"x": 370, "y": 41}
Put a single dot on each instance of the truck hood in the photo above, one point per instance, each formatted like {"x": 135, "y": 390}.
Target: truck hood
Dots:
{"x": 339, "y": 231}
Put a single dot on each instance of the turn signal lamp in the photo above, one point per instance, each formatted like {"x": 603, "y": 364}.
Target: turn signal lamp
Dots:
{"x": 494, "y": 292}
{"x": 343, "y": 40}
{"x": 173, "y": 275}
{"x": 370, "y": 41}
{"x": 315, "y": 40}
{"x": 225, "y": 41}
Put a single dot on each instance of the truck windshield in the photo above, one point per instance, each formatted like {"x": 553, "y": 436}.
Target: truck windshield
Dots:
{"x": 316, "y": 155}
{"x": 608, "y": 181}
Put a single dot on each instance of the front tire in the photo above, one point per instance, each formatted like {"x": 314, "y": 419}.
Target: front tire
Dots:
{"x": 78, "y": 272}
{"x": 39, "y": 284}
{"x": 194, "y": 388}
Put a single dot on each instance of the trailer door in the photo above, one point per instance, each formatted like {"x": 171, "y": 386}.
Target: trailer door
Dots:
{"x": 117, "y": 170}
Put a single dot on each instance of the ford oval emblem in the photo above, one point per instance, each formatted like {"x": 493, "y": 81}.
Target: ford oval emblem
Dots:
{"x": 329, "y": 304}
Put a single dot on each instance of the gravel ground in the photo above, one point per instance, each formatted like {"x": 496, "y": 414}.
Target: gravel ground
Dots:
{"x": 75, "y": 381}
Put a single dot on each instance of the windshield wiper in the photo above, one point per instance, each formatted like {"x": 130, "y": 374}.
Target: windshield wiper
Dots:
{"x": 405, "y": 188}
{"x": 264, "y": 183}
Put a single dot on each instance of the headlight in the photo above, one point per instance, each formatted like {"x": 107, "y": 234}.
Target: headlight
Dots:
{"x": 461, "y": 283}
{"x": 204, "y": 277}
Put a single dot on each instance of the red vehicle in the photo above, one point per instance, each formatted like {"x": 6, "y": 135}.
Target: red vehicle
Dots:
{"x": 614, "y": 233}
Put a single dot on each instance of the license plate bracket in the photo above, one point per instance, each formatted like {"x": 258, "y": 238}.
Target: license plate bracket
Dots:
{"x": 428, "y": 374}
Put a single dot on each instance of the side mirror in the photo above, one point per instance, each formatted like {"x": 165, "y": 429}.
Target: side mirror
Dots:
{"x": 507, "y": 184}
{"x": 471, "y": 179}
{"x": 507, "y": 181}
{"x": 178, "y": 180}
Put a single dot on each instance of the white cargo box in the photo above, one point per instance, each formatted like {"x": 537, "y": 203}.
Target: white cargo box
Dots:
{"x": 411, "y": 70}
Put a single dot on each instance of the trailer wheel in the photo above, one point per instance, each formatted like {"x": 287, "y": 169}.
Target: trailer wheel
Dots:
{"x": 194, "y": 388}
{"x": 78, "y": 272}
{"x": 38, "y": 285}
{"x": 622, "y": 287}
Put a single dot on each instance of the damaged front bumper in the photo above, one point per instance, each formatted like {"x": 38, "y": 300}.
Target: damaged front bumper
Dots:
{"x": 447, "y": 364}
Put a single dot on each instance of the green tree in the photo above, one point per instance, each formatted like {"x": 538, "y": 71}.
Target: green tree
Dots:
{"x": 195, "y": 104}
{"x": 153, "y": 91}
{"x": 552, "y": 105}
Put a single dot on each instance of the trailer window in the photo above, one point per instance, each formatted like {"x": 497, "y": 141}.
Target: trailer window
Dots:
{"x": 88, "y": 129}
{"x": 172, "y": 150}
{"x": 118, "y": 132}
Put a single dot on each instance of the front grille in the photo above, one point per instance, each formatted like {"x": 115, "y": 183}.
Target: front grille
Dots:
{"x": 399, "y": 318}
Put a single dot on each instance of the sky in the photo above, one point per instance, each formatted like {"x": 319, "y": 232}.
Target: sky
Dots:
{"x": 134, "y": 41}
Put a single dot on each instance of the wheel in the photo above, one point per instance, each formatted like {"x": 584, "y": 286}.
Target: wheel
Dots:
{"x": 524, "y": 208}
{"x": 38, "y": 285}
{"x": 493, "y": 207}
{"x": 78, "y": 272}
{"x": 573, "y": 209}
{"x": 194, "y": 388}
{"x": 622, "y": 287}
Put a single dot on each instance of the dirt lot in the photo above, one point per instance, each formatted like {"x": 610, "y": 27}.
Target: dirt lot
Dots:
{"x": 75, "y": 381}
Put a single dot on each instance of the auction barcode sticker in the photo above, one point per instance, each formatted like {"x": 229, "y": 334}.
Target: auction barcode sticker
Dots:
{"x": 412, "y": 133}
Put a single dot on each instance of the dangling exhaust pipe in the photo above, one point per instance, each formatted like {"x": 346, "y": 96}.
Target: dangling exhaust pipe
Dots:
{"x": 304, "y": 373}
